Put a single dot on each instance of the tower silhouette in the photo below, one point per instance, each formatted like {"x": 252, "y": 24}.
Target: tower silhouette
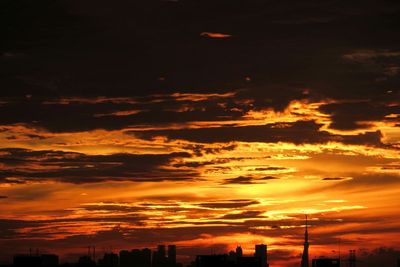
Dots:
{"x": 304, "y": 257}
{"x": 352, "y": 258}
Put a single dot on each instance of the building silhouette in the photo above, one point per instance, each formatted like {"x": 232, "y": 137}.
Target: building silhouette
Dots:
{"x": 261, "y": 254}
{"x": 325, "y": 262}
{"x": 248, "y": 261}
{"x": 239, "y": 251}
{"x": 44, "y": 260}
{"x": 86, "y": 261}
{"x": 304, "y": 258}
{"x": 27, "y": 260}
{"x": 172, "y": 254}
{"x": 232, "y": 256}
{"x": 213, "y": 261}
{"x": 234, "y": 259}
{"x": 160, "y": 258}
{"x": 135, "y": 257}
{"x": 49, "y": 260}
{"x": 109, "y": 260}
{"x": 166, "y": 256}
{"x": 352, "y": 258}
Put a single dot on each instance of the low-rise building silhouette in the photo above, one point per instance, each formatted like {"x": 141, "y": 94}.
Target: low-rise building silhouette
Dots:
{"x": 325, "y": 262}
{"x": 49, "y": 260}
{"x": 221, "y": 260}
{"x": 135, "y": 257}
{"x": 86, "y": 261}
{"x": 109, "y": 260}
{"x": 27, "y": 260}
{"x": 248, "y": 262}
{"x": 44, "y": 260}
{"x": 235, "y": 259}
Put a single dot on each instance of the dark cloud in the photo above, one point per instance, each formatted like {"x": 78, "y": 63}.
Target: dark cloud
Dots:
{"x": 228, "y": 204}
{"x": 350, "y": 116}
{"x": 83, "y": 114}
{"x": 80, "y": 168}
{"x": 113, "y": 207}
{"x": 199, "y": 149}
{"x": 334, "y": 179}
{"x": 272, "y": 168}
{"x": 298, "y": 132}
{"x": 242, "y": 215}
{"x": 240, "y": 180}
{"x": 248, "y": 180}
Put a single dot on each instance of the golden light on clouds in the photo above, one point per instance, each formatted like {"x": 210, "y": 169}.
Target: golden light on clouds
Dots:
{"x": 211, "y": 193}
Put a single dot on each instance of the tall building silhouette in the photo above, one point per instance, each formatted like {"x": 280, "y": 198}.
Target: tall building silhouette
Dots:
{"x": 159, "y": 256}
{"x": 164, "y": 258}
{"x": 172, "y": 254}
{"x": 239, "y": 251}
{"x": 161, "y": 252}
{"x": 352, "y": 258}
{"x": 261, "y": 253}
{"x": 304, "y": 257}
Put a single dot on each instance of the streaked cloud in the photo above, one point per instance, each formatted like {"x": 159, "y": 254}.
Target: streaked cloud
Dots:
{"x": 215, "y": 35}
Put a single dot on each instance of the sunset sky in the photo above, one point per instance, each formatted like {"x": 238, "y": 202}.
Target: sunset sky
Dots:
{"x": 206, "y": 124}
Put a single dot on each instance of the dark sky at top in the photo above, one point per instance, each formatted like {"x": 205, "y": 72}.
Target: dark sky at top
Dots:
{"x": 54, "y": 49}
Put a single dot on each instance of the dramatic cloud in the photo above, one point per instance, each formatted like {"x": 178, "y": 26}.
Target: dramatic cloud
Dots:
{"x": 248, "y": 180}
{"x": 24, "y": 165}
{"x": 297, "y": 132}
{"x": 349, "y": 116}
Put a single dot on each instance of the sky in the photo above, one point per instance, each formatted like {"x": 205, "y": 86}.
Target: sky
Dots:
{"x": 206, "y": 124}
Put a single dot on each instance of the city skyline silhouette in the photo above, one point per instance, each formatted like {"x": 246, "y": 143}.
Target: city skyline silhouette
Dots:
{"x": 166, "y": 256}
